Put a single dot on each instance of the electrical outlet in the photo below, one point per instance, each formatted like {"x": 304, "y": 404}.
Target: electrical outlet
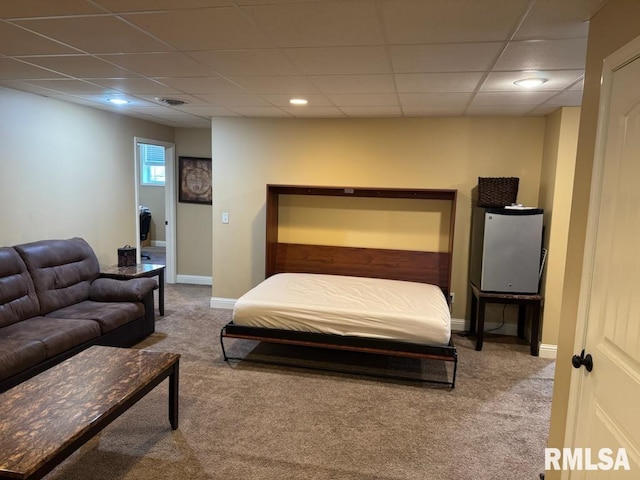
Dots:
{"x": 452, "y": 298}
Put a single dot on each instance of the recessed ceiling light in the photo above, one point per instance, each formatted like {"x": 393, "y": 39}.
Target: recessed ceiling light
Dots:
{"x": 530, "y": 82}
{"x": 118, "y": 101}
{"x": 298, "y": 101}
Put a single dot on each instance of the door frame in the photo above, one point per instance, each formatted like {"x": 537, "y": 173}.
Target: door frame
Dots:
{"x": 169, "y": 202}
{"x": 611, "y": 64}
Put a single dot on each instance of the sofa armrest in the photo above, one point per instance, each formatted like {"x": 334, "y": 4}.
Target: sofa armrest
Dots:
{"x": 113, "y": 290}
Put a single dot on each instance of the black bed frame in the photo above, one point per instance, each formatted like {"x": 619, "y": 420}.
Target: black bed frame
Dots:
{"x": 417, "y": 266}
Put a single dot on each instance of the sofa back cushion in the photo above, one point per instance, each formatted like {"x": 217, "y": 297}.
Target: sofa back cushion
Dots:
{"x": 62, "y": 271}
{"x": 18, "y": 300}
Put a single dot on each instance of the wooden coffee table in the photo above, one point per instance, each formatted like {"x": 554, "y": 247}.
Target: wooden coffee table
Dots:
{"x": 46, "y": 418}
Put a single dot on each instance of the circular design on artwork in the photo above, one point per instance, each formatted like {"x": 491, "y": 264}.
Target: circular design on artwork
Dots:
{"x": 197, "y": 180}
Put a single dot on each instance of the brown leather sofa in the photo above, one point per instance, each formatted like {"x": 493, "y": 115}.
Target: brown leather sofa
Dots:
{"x": 53, "y": 304}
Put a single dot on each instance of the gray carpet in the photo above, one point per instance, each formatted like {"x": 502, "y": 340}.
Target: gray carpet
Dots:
{"x": 253, "y": 421}
{"x": 157, "y": 255}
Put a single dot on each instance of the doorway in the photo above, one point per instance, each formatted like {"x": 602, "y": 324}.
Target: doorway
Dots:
{"x": 154, "y": 172}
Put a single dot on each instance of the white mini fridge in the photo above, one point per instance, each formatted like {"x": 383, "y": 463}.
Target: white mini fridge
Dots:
{"x": 506, "y": 249}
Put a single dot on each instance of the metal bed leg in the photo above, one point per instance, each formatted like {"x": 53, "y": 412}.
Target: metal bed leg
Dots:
{"x": 224, "y": 353}
{"x": 455, "y": 371}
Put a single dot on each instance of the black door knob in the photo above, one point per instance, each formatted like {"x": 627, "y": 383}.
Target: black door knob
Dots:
{"x": 579, "y": 360}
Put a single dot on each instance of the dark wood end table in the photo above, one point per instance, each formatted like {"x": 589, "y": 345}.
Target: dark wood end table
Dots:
{"x": 480, "y": 298}
{"x": 136, "y": 271}
{"x": 46, "y": 418}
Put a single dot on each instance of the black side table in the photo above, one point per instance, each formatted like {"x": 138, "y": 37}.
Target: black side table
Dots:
{"x": 479, "y": 299}
{"x": 136, "y": 271}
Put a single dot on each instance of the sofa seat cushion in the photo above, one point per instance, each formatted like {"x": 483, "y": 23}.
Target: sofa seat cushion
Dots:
{"x": 56, "y": 334}
{"x": 109, "y": 315}
{"x": 17, "y": 355}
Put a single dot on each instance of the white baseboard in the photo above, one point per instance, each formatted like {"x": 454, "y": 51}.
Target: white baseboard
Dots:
{"x": 219, "y": 302}
{"x": 194, "y": 280}
{"x": 158, "y": 243}
{"x": 548, "y": 351}
{"x": 461, "y": 325}
{"x": 458, "y": 324}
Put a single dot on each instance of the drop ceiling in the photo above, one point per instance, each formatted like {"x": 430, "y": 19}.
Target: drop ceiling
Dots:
{"x": 248, "y": 58}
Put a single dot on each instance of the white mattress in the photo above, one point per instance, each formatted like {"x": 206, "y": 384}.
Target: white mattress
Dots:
{"x": 365, "y": 307}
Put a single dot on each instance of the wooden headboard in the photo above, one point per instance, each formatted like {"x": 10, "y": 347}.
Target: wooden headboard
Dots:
{"x": 412, "y": 265}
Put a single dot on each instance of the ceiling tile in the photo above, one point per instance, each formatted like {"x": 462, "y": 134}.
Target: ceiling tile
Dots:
{"x": 15, "y": 69}
{"x": 434, "y": 99}
{"x": 433, "y": 111}
{"x": 500, "y": 110}
{"x": 270, "y": 2}
{"x": 171, "y": 64}
{"x": 45, "y": 8}
{"x": 122, "y": 6}
{"x": 542, "y": 110}
{"x": 553, "y": 19}
{"x": 319, "y": 24}
{"x": 437, "y": 82}
{"x": 81, "y": 66}
{"x": 291, "y": 85}
{"x": 544, "y": 55}
{"x": 441, "y": 21}
{"x": 556, "y": 80}
{"x": 98, "y": 34}
{"x": 250, "y": 111}
{"x": 578, "y": 85}
{"x": 314, "y": 112}
{"x": 453, "y": 57}
{"x": 569, "y": 98}
{"x": 360, "y": 100}
{"x": 73, "y": 87}
{"x": 188, "y": 99}
{"x": 234, "y": 100}
{"x": 372, "y": 111}
{"x": 348, "y": 57}
{"x": 345, "y": 60}
{"x": 202, "y": 28}
{"x": 24, "y": 86}
{"x": 247, "y": 62}
{"x": 354, "y": 83}
{"x": 510, "y": 98}
{"x": 102, "y": 99}
{"x": 18, "y": 41}
{"x": 135, "y": 86}
{"x": 283, "y": 100}
{"x": 208, "y": 110}
{"x": 202, "y": 85}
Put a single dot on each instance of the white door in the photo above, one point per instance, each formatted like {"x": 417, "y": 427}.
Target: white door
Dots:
{"x": 604, "y": 405}
{"x": 169, "y": 200}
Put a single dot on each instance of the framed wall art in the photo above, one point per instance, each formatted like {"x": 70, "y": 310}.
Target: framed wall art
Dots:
{"x": 194, "y": 180}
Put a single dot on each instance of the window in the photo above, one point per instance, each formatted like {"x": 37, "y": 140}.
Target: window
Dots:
{"x": 151, "y": 164}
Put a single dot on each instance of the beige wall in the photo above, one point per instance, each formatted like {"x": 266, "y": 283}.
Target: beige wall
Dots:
{"x": 614, "y": 26}
{"x": 194, "y": 249}
{"x": 556, "y": 187}
{"x": 67, "y": 170}
{"x": 405, "y": 152}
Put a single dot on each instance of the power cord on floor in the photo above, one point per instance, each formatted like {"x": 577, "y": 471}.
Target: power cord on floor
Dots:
{"x": 504, "y": 307}
{"x": 467, "y": 333}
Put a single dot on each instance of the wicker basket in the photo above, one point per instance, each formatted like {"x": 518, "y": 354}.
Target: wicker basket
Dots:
{"x": 497, "y": 191}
